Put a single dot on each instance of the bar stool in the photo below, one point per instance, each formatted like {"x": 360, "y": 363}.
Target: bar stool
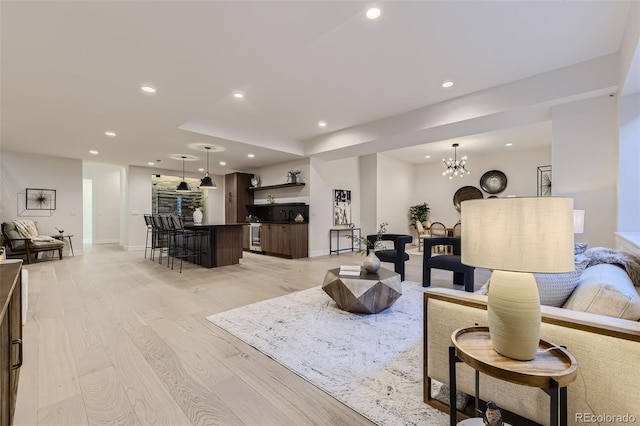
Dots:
{"x": 189, "y": 245}
{"x": 159, "y": 237}
{"x": 150, "y": 231}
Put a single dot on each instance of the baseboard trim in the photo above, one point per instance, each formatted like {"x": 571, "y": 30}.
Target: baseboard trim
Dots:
{"x": 107, "y": 241}
{"x": 132, "y": 248}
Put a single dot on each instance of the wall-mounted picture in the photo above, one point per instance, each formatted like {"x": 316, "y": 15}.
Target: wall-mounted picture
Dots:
{"x": 544, "y": 181}
{"x": 341, "y": 207}
{"x": 40, "y": 199}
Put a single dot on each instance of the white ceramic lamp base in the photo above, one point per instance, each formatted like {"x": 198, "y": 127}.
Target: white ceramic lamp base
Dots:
{"x": 514, "y": 314}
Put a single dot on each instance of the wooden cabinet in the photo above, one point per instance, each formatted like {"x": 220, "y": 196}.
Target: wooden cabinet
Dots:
{"x": 284, "y": 239}
{"x": 237, "y": 197}
{"x": 246, "y": 238}
{"x": 10, "y": 338}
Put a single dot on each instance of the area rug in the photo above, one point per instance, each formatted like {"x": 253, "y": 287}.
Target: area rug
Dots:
{"x": 371, "y": 363}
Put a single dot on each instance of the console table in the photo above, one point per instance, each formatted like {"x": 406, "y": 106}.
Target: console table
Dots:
{"x": 337, "y": 231}
{"x": 552, "y": 370}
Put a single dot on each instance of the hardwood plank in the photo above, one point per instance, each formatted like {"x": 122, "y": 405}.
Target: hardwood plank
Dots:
{"x": 150, "y": 399}
{"x": 105, "y": 399}
{"x": 67, "y": 412}
{"x": 200, "y": 404}
{"x": 56, "y": 368}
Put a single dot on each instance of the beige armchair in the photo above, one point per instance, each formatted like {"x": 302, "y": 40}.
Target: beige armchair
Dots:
{"x": 421, "y": 234}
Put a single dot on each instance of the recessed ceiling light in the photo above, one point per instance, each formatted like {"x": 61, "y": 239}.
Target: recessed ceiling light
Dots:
{"x": 447, "y": 84}
{"x": 373, "y": 13}
{"x": 250, "y": 155}
{"x": 509, "y": 144}
{"x": 201, "y": 169}
{"x": 322, "y": 124}
{"x": 148, "y": 89}
{"x": 110, "y": 134}
{"x": 238, "y": 95}
{"x": 151, "y": 163}
{"x": 427, "y": 156}
{"x": 223, "y": 163}
{"x": 94, "y": 152}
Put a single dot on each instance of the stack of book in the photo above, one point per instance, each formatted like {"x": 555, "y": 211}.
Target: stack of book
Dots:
{"x": 351, "y": 270}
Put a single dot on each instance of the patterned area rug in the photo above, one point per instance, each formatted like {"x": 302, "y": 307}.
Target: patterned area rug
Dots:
{"x": 371, "y": 363}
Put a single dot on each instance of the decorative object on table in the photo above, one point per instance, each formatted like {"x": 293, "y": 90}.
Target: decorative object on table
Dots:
{"x": 466, "y": 193}
{"x": 253, "y": 218}
{"x": 61, "y": 231}
{"x": 183, "y": 186}
{"x": 270, "y": 199}
{"x": 544, "y": 181}
{"x": 352, "y": 225}
{"x": 351, "y": 270}
{"x": 3, "y": 255}
{"x": 419, "y": 212}
{"x": 255, "y": 181}
{"x": 197, "y": 216}
{"x": 341, "y": 207}
{"x": 40, "y": 199}
{"x": 493, "y": 182}
{"x": 532, "y": 234}
{"x": 299, "y": 218}
{"x": 371, "y": 262}
{"x": 455, "y": 167}
{"x": 207, "y": 182}
{"x": 493, "y": 416}
{"x": 293, "y": 176}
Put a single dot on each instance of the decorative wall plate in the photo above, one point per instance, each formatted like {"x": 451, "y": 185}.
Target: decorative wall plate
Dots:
{"x": 466, "y": 193}
{"x": 493, "y": 182}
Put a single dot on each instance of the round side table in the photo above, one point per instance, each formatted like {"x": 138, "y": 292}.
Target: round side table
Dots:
{"x": 552, "y": 370}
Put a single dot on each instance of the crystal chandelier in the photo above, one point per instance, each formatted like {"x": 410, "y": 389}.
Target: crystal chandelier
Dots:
{"x": 455, "y": 167}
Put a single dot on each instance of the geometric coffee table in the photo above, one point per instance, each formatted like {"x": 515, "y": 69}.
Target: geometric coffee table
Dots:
{"x": 365, "y": 294}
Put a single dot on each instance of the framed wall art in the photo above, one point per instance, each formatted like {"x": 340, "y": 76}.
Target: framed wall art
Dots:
{"x": 341, "y": 207}
{"x": 40, "y": 199}
{"x": 544, "y": 181}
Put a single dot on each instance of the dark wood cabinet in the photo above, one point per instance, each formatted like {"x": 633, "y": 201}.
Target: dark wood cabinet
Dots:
{"x": 237, "y": 197}
{"x": 286, "y": 240}
{"x": 10, "y": 338}
{"x": 246, "y": 238}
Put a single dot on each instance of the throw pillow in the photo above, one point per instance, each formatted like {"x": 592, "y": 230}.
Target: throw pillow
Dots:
{"x": 606, "y": 289}
{"x": 554, "y": 289}
{"x": 580, "y": 248}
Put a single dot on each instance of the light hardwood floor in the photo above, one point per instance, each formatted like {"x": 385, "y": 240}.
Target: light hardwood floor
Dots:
{"x": 112, "y": 338}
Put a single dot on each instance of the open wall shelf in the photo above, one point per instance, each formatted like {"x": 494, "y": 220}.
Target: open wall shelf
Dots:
{"x": 282, "y": 185}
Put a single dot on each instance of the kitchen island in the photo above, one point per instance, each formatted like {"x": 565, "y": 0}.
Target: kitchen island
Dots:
{"x": 219, "y": 244}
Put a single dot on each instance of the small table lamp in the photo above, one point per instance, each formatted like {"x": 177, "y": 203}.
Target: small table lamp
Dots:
{"x": 516, "y": 237}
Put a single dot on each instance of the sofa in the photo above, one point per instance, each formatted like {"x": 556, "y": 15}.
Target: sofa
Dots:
{"x": 607, "y": 348}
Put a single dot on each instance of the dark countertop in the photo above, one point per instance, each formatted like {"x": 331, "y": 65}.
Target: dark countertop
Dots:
{"x": 281, "y": 222}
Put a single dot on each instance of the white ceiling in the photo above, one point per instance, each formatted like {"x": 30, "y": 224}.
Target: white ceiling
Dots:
{"x": 73, "y": 70}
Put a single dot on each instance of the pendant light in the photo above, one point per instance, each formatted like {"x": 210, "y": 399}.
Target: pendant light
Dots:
{"x": 184, "y": 186}
{"x": 206, "y": 181}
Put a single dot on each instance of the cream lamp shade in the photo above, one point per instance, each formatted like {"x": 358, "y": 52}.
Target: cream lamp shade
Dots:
{"x": 516, "y": 237}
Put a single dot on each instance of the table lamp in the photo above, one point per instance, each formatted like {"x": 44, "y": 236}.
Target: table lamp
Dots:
{"x": 516, "y": 237}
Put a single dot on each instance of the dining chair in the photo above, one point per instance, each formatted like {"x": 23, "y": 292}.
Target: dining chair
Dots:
{"x": 438, "y": 230}
{"x": 421, "y": 234}
{"x": 457, "y": 230}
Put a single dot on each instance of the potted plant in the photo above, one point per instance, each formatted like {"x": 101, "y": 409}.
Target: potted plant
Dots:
{"x": 419, "y": 212}
{"x": 371, "y": 262}
{"x": 293, "y": 176}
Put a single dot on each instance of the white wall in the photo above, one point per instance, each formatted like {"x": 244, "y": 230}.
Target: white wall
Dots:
{"x": 396, "y": 186}
{"x": 325, "y": 177}
{"x": 585, "y": 163}
{"x": 368, "y": 176}
{"x": 106, "y": 201}
{"x": 20, "y": 171}
{"x": 629, "y": 173}
{"x": 520, "y": 167}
